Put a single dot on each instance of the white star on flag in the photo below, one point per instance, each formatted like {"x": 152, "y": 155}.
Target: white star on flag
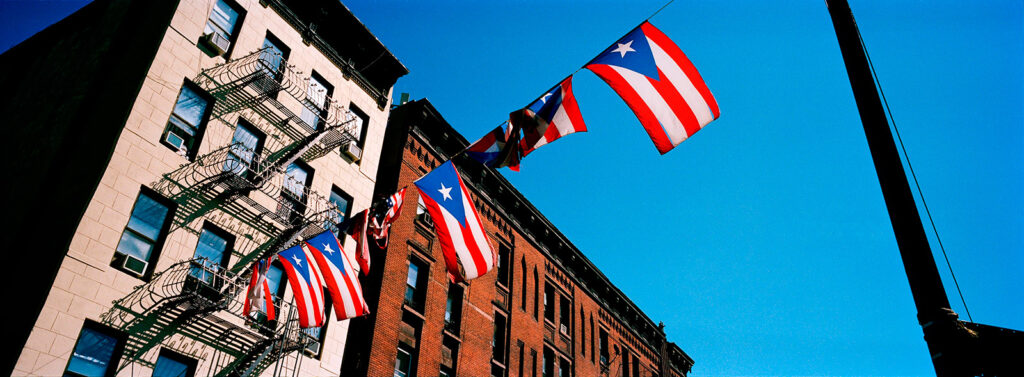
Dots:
{"x": 446, "y": 192}
{"x": 297, "y": 260}
{"x": 328, "y": 248}
{"x": 622, "y": 49}
{"x": 545, "y": 98}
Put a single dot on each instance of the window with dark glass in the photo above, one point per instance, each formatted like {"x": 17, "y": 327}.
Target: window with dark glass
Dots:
{"x": 342, "y": 203}
{"x": 415, "y": 284}
{"x": 403, "y": 362}
{"x": 185, "y": 126}
{"x": 536, "y": 293}
{"x": 564, "y": 315}
{"x": 564, "y": 370}
{"x": 592, "y": 347}
{"x": 172, "y": 364}
{"x": 522, "y": 303}
{"x": 276, "y": 282}
{"x": 503, "y": 265}
{"x": 96, "y": 352}
{"x": 314, "y": 106}
{"x": 453, "y": 308}
{"x": 246, "y": 145}
{"x": 421, "y": 213}
{"x": 636, "y": 366}
{"x": 549, "y": 302}
{"x": 142, "y": 237}
{"x": 522, "y": 359}
{"x": 533, "y": 362}
{"x": 211, "y": 254}
{"x": 548, "y": 369}
{"x": 625, "y": 362}
{"x": 603, "y": 344}
{"x": 274, "y": 56}
{"x": 498, "y": 340}
{"x": 224, "y": 20}
{"x": 583, "y": 333}
{"x": 297, "y": 178}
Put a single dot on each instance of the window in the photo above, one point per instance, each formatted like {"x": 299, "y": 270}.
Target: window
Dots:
{"x": 421, "y": 213}
{"x": 453, "y": 308}
{"x": 564, "y": 315}
{"x": 603, "y": 343}
{"x": 592, "y": 337}
{"x": 185, "y": 126}
{"x": 314, "y": 106}
{"x": 246, "y": 145}
{"x": 274, "y": 56}
{"x": 636, "y": 366}
{"x": 223, "y": 21}
{"x": 403, "y": 362}
{"x": 549, "y": 302}
{"x": 142, "y": 237}
{"x": 342, "y": 202}
{"x": 297, "y": 178}
{"x": 498, "y": 340}
{"x": 317, "y": 334}
{"x": 97, "y": 351}
{"x": 533, "y": 362}
{"x": 564, "y": 370}
{"x": 172, "y": 364}
{"x": 415, "y": 284}
{"x": 276, "y": 283}
{"x": 549, "y": 363}
{"x": 522, "y": 359}
{"x": 211, "y": 254}
{"x": 536, "y": 293}
{"x": 583, "y": 333}
{"x": 362, "y": 124}
{"x": 625, "y": 362}
{"x": 522, "y": 303}
{"x": 503, "y": 270}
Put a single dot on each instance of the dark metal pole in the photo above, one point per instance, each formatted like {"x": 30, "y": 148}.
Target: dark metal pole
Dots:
{"x": 938, "y": 321}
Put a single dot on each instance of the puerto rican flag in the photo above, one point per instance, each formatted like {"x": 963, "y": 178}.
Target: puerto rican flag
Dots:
{"x": 464, "y": 243}
{"x": 554, "y": 115}
{"x": 394, "y": 205}
{"x": 306, "y": 286}
{"x": 659, "y": 84}
{"x": 360, "y": 229}
{"x": 341, "y": 279}
{"x": 497, "y": 148}
{"x": 258, "y": 295}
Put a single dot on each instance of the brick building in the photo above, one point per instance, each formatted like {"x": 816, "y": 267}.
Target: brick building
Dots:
{"x": 157, "y": 149}
{"x": 545, "y": 311}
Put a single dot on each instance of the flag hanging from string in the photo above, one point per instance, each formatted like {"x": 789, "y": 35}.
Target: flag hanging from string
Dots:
{"x": 338, "y": 273}
{"x": 394, "y": 209}
{"x": 258, "y": 296}
{"x": 360, "y": 229}
{"x": 498, "y": 148}
{"x": 658, "y": 82}
{"x": 553, "y": 115}
{"x": 467, "y": 251}
{"x": 306, "y": 286}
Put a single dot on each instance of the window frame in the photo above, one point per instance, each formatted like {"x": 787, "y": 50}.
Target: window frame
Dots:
{"x": 257, "y": 151}
{"x": 192, "y": 150}
{"x": 419, "y": 291}
{"x": 229, "y": 246}
{"x": 322, "y": 110}
{"x": 298, "y": 204}
{"x": 116, "y": 354}
{"x": 278, "y": 72}
{"x": 117, "y": 259}
{"x": 335, "y": 190}
{"x": 235, "y": 29}
{"x": 190, "y": 363}
{"x": 362, "y": 115}
{"x": 411, "y": 352}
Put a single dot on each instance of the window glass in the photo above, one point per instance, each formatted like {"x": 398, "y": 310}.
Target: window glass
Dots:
{"x": 210, "y": 253}
{"x": 342, "y": 201}
{"x": 274, "y": 276}
{"x": 295, "y": 180}
{"x": 498, "y": 340}
{"x": 168, "y": 367}
{"x": 403, "y": 362}
{"x": 144, "y": 228}
{"x": 273, "y": 56}
{"x": 222, "y": 19}
{"x": 410, "y": 282}
{"x": 563, "y": 368}
{"x": 549, "y": 303}
{"x": 244, "y": 147}
{"x": 316, "y": 100}
{"x": 93, "y": 353}
{"x": 188, "y": 110}
{"x": 565, "y": 315}
{"x": 503, "y": 270}
{"x": 362, "y": 120}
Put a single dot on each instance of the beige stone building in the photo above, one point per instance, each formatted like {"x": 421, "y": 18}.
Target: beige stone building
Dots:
{"x": 163, "y": 147}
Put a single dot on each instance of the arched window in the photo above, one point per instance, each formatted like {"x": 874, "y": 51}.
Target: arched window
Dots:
{"x": 522, "y": 263}
{"x": 535, "y": 293}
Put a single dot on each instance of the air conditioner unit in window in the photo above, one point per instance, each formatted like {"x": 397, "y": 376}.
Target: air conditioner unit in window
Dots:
{"x": 174, "y": 140}
{"x": 352, "y": 150}
{"x": 136, "y": 265}
{"x": 216, "y": 42}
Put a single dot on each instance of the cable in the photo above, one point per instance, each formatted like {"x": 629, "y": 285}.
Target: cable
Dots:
{"x": 912, "y": 174}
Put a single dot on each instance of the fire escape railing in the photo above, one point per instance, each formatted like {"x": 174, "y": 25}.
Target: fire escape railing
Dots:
{"x": 250, "y": 195}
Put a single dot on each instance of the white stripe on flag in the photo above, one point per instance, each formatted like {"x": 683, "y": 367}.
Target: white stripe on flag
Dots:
{"x": 350, "y": 308}
{"x": 461, "y": 248}
{"x": 672, "y": 126}
{"x": 671, "y": 69}
{"x": 478, "y": 234}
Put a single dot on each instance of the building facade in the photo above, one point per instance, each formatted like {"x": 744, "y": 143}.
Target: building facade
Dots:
{"x": 166, "y": 146}
{"x": 545, "y": 311}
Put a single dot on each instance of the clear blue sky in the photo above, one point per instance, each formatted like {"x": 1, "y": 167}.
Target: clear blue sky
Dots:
{"x": 762, "y": 242}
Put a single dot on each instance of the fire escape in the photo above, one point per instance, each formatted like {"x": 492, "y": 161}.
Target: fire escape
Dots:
{"x": 251, "y": 195}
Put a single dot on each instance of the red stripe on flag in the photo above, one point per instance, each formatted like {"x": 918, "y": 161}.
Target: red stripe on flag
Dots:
{"x": 684, "y": 63}
{"x": 268, "y": 301}
{"x": 572, "y": 109}
{"x": 675, "y": 101}
{"x": 447, "y": 248}
{"x": 647, "y": 118}
{"x": 300, "y": 300}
